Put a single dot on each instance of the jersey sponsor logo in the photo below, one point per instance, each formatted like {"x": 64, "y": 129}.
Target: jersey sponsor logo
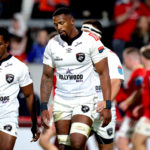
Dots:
{"x": 8, "y": 64}
{"x": 94, "y": 36}
{"x": 70, "y": 76}
{"x": 9, "y": 78}
{"x": 80, "y": 57}
{"x": 58, "y": 58}
{"x": 8, "y": 127}
{"x": 98, "y": 88}
{"x": 120, "y": 70}
{"x": 101, "y": 49}
{"x": 78, "y": 43}
{"x": 4, "y": 99}
{"x": 85, "y": 108}
{"x": 78, "y": 77}
{"x": 109, "y": 131}
{"x": 68, "y": 50}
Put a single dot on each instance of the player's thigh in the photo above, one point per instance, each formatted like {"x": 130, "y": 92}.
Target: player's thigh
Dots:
{"x": 106, "y": 146}
{"x": 142, "y": 131}
{"x": 62, "y": 112}
{"x": 139, "y": 139}
{"x": 7, "y": 141}
{"x": 8, "y": 134}
{"x": 80, "y": 130}
{"x": 105, "y": 135}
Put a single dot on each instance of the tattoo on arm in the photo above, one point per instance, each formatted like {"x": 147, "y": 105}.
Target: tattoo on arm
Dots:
{"x": 46, "y": 83}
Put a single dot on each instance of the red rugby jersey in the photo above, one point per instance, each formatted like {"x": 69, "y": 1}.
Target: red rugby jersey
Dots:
{"x": 146, "y": 95}
{"x": 135, "y": 82}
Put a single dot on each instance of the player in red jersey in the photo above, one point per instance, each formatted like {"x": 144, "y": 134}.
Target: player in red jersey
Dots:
{"x": 142, "y": 128}
{"x": 132, "y": 62}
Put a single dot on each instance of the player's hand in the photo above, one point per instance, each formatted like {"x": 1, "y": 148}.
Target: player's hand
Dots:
{"x": 105, "y": 115}
{"x": 35, "y": 132}
{"x": 138, "y": 111}
{"x": 100, "y": 106}
{"x": 45, "y": 118}
{"x": 123, "y": 106}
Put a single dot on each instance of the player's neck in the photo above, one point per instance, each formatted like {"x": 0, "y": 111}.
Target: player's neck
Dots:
{"x": 147, "y": 65}
{"x": 74, "y": 33}
{"x": 137, "y": 67}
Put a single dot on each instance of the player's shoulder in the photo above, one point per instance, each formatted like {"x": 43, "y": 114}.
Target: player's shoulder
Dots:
{"x": 54, "y": 40}
{"x": 19, "y": 64}
{"x": 90, "y": 36}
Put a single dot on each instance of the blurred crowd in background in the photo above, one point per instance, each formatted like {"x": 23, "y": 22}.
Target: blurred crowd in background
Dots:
{"x": 125, "y": 23}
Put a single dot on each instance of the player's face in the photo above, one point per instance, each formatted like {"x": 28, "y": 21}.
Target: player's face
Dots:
{"x": 63, "y": 24}
{"x": 126, "y": 60}
{"x": 3, "y": 47}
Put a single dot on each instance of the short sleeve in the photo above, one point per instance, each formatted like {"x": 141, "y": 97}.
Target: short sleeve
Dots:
{"x": 98, "y": 51}
{"x": 24, "y": 78}
{"x": 115, "y": 66}
{"x": 47, "y": 58}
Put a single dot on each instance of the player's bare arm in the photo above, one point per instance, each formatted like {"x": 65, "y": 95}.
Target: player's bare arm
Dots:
{"x": 45, "y": 91}
{"x": 102, "y": 69}
{"x": 130, "y": 100}
{"x": 31, "y": 104}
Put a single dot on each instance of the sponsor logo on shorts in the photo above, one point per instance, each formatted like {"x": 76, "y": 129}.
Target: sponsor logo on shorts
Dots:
{"x": 80, "y": 57}
{"x": 8, "y": 127}
{"x": 9, "y": 78}
{"x": 85, "y": 108}
{"x": 4, "y": 99}
{"x": 109, "y": 131}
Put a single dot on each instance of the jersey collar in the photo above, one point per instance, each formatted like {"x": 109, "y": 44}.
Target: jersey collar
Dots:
{"x": 5, "y": 59}
{"x": 70, "y": 41}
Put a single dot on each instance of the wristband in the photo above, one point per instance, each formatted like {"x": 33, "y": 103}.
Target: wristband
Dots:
{"x": 108, "y": 104}
{"x": 43, "y": 106}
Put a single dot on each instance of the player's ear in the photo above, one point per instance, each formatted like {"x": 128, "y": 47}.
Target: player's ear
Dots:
{"x": 7, "y": 44}
{"x": 72, "y": 20}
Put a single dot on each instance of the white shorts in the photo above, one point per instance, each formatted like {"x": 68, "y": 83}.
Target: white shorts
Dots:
{"x": 64, "y": 108}
{"x": 143, "y": 126}
{"x": 127, "y": 128}
{"x": 9, "y": 128}
{"x": 105, "y": 135}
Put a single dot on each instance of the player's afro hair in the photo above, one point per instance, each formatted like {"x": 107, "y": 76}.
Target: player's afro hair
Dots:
{"x": 4, "y": 33}
{"x": 62, "y": 10}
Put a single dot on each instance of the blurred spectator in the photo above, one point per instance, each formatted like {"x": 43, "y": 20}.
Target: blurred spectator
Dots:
{"x": 18, "y": 26}
{"x": 17, "y": 48}
{"x": 145, "y": 9}
{"x": 126, "y": 13}
{"x": 45, "y": 8}
{"x": 141, "y": 34}
{"x": 26, "y": 8}
{"x": 36, "y": 53}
